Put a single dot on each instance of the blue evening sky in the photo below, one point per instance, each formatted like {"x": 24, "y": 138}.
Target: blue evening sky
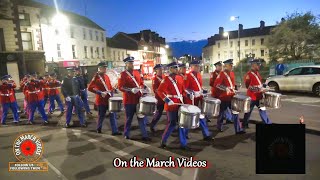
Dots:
{"x": 178, "y": 20}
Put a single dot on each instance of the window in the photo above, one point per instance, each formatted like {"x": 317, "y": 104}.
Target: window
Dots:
{"x": 122, "y": 55}
{"x": 90, "y": 33}
{"x": 74, "y": 51}
{"x": 238, "y": 43}
{"x": 102, "y": 51}
{"x": 102, "y": 37}
{"x": 315, "y": 70}
{"x": 262, "y": 41}
{"x": 97, "y": 38}
{"x": 91, "y": 50}
{"x": 253, "y": 42}
{"x": 72, "y": 32}
{"x": 296, "y": 71}
{"x": 59, "y": 50}
{"x": 24, "y": 19}
{"x": 262, "y": 52}
{"x": 84, "y": 33}
{"x": 97, "y": 51}
{"x": 246, "y": 43}
{"x": 310, "y": 71}
{"x": 218, "y": 45}
{"x": 231, "y": 44}
{"x": 218, "y": 55}
{"x": 231, "y": 54}
{"x": 56, "y": 31}
{"x": 85, "y": 52}
{"x": 119, "y": 55}
{"x": 26, "y": 41}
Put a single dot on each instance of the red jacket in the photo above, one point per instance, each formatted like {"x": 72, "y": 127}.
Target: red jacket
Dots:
{"x": 7, "y": 92}
{"x": 45, "y": 88}
{"x": 22, "y": 85}
{"x": 221, "y": 83}
{"x": 34, "y": 91}
{"x": 213, "y": 77}
{"x": 167, "y": 88}
{"x": 155, "y": 85}
{"x": 252, "y": 84}
{"x": 125, "y": 82}
{"x": 52, "y": 87}
{"x": 96, "y": 86}
{"x": 191, "y": 84}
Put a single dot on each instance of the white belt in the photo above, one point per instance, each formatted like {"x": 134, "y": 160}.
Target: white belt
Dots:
{"x": 51, "y": 88}
{"x": 33, "y": 92}
{"x": 174, "y": 96}
{"x": 6, "y": 94}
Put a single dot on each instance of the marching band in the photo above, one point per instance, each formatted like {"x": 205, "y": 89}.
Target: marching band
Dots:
{"x": 180, "y": 94}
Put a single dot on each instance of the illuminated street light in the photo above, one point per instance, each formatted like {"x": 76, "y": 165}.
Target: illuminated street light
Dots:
{"x": 60, "y": 20}
{"x": 232, "y": 18}
{"x": 145, "y": 48}
{"x": 167, "y": 46}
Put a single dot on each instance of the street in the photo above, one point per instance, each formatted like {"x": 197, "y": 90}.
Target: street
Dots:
{"x": 81, "y": 153}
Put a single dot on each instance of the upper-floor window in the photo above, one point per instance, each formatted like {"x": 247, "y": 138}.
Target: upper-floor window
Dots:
{"x": 97, "y": 52}
{"x": 97, "y": 37}
{"x": 85, "y": 52}
{"x": 253, "y": 42}
{"x": 56, "y": 31}
{"x": 262, "y": 41}
{"x": 91, "y": 50}
{"x": 84, "y": 32}
{"x": 74, "y": 51}
{"x": 246, "y": 42}
{"x": 262, "y": 52}
{"x": 102, "y": 36}
{"x": 59, "y": 50}
{"x": 26, "y": 41}
{"x": 24, "y": 19}
{"x": 72, "y": 32}
{"x": 90, "y": 33}
{"x": 231, "y": 44}
{"x": 218, "y": 55}
{"x": 102, "y": 51}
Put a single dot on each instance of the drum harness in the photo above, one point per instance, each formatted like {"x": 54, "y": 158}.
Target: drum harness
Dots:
{"x": 134, "y": 80}
{"x": 198, "y": 84}
{"x": 263, "y": 96}
{"x": 104, "y": 84}
{"x": 231, "y": 86}
{"x": 179, "y": 96}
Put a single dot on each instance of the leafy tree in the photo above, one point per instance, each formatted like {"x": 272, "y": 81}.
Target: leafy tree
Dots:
{"x": 296, "y": 37}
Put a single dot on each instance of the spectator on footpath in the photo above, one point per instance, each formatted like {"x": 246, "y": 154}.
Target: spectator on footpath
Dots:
{"x": 280, "y": 68}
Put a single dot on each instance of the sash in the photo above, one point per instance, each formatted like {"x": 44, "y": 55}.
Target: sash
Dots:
{"x": 229, "y": 80}
{"x": 198, "y": 84}
{"x": 176, "y": 88}
{"x": 256, "y": 78}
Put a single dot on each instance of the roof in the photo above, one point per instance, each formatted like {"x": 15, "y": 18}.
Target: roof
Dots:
{"x": 243, "y": 34}
{"x": 73, "y": 17}
{"x": 122, "y": 41}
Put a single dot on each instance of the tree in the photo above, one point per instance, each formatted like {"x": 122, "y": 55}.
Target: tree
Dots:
{"x": 296, "y": 37}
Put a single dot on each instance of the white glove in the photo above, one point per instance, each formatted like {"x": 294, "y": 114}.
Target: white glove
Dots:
{"x": 104, "y": 94}
{"x": 134, "y": 90}
{"x": 170, "y": 103}
{"x": 197, "y": 94}
{"x": 68, "y": 99}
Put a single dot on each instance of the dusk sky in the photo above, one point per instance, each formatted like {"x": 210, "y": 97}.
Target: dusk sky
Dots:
{"x": 178, "y": 20}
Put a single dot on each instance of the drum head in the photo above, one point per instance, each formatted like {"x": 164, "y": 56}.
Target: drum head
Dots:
{"x": 211, "y": 99}
{"x": 116, "y": 98}
{"x": 150, "y": 99}
{"x": 113, "y": 76}
{"x": 273, "y": 94}
{"x": 190, "y": 109}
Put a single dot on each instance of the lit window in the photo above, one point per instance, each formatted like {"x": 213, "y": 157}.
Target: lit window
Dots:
{"x": 26, "y": 41}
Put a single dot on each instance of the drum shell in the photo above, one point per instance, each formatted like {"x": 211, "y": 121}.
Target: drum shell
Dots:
{"x": 188, "y": 120}
{"x": 147, "y": 108}
{"x": 272, "y": 100}
{"x": 115, "y": 105}
{"x": 240, "y": 103}
{"x": 211, "y": 107}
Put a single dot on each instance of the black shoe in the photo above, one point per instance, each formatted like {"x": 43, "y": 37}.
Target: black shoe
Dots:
{"x": 186, "y": 148}
{"x": 146, "y": 139}
{"x": 16, "y": 122}
{"x": 163, "y": 146}
{"x": 187, "y": 137}
{"x": 99, "y": 131}
{"x": 246, "y": 126}
{"x": 241, "y": 132}
{"x": 208, "y": 120}
{"x": 116, "y": 134}
{"x": 126, "y": 137}
{"x": 67, "y": 125}
{"x": 83, "y": 125}
{"x": 208, "y": 138}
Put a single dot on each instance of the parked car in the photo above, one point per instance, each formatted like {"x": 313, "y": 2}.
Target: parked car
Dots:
{"x": 303, "y": 78}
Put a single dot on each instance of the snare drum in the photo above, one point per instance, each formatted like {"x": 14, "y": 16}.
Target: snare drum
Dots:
{"x": 240, "y": 103}
{"x": 211, "y": 106}
{"x": 115, "y": 104}
{"x": 189, "y": 116}
{"x": 147, "y": 105}
{"x": 271, "y": 100}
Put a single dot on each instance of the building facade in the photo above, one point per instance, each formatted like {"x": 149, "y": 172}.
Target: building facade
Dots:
{"x": 225, "y": 45}
{"x": 21, "y": 49}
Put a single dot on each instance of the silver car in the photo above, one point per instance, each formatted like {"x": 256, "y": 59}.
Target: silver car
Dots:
{"x": 304, "y": 79}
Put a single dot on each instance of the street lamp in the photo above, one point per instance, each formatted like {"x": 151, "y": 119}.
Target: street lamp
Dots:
{"x": 226, "y": 34}
{"x": 145, "y": 48}
{"x": 60, "y": 20}
{"x": 166, "y": 46}
{"x": 232, "y": 18}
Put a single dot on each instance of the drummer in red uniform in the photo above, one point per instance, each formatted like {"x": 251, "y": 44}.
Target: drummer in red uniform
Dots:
{"x": 160, "y": 105}
{"x": 255, "y": 92}
{"x": 193, "y": 85}
{"x": 101, "y": 86}
{"x": 53, "y": 86}
{"x": 213, "y": 77}
{"x": 7, "y": 99}
{"x": 172, "y": 90}
{"x": 46, "y": 90}
{"x": 225, "y": 90}
{"x": 131, "y": 84}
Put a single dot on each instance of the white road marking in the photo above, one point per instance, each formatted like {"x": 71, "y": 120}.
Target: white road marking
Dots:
{"x": 314, "y": 105}
{"x": 60, "y": 175}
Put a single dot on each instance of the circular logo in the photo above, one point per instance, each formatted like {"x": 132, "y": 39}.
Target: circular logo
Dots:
{"x": 28, "y": 148}
{"x": 281, "y": 148}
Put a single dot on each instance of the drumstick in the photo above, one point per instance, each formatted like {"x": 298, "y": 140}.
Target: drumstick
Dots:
{"x": 171, "y": 100}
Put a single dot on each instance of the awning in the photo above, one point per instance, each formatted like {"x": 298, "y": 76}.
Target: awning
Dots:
{"x": 69, "y": 63}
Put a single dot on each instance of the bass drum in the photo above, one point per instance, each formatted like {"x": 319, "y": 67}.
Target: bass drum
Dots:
{"x": 113, "y": 76}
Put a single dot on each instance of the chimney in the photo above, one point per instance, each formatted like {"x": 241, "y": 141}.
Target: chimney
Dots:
{"x": 141, "y": 36}
{"x": 241, "y": 27}
{"x": 221, "y": 31}
{"x": 150, "y": 37}
{"x": 164, "y": 40}
{"x": 262, "y": 24}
